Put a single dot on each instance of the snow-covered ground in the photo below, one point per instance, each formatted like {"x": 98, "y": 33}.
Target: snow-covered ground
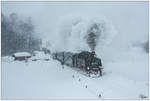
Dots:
{"x": 122, "y": 79}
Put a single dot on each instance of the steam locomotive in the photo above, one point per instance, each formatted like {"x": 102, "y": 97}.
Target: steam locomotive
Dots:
{"x": 85, "y": 61}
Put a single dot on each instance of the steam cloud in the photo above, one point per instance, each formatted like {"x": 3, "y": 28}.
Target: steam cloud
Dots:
{"x": 77, "y": 33}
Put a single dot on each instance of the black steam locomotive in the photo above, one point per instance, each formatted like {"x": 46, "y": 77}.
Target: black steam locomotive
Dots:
{"x": 86, "y": 61}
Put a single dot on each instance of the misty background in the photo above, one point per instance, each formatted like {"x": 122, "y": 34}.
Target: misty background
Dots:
{"x": 128, "y": 19}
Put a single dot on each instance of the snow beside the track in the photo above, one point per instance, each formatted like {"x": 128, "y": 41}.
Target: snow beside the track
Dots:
{"x": 47, "y": 80}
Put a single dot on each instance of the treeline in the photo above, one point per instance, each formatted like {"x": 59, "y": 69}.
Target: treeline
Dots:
{"x": 18, "y": 35}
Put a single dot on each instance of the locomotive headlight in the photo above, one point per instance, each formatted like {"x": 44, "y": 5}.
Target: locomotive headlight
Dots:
{"x": 88, "y": 68}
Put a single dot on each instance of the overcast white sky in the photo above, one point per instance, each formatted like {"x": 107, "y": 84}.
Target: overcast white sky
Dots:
{"x": 129, "y": 18}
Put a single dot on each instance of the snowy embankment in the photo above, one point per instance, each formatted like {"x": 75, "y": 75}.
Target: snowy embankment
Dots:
{"x": 39, "y": 80}
{"x": 124, "y": 79}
